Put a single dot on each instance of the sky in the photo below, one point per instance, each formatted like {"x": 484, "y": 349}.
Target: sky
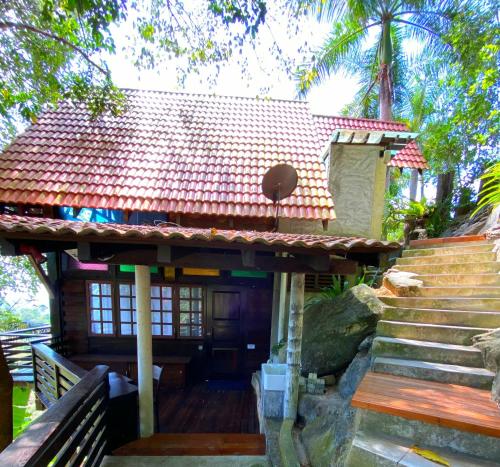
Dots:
{"x": 264, "y": 76}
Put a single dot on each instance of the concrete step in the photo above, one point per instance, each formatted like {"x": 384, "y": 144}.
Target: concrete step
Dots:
{"x": 459, "y": 279}
{"x": 451, "y": 268}
{"x": 431, "y": 436}
{"x": 445, "y": 303}
{"x": 449, "y": 259}
{"x": 478, "y": 319}
{"x": 432, "y": 371}
{"x": 460, "y": 291}
{"x": 460, "y": 335}
{"x": 461, "y": 249}
{"x": 375, "y": 449}
{"x": 438, "y": 352}
{"x": 185, "y": 461}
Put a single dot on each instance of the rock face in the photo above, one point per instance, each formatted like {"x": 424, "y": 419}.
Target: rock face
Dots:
{"x": 329, "y": 418}
{"x": 334, "y": 329}
{"x": 489, "y": 344}
{"x": 402, "y": 283}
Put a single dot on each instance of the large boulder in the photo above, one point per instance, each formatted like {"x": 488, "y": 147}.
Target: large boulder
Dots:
{"x": 333, "y": 329}
{"x": 489, "y": 344}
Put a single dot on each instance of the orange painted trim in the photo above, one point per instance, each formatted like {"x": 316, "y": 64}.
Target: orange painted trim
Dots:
{"x": 444, "y": 240}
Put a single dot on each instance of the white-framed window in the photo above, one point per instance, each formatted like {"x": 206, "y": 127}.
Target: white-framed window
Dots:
{"x": 100, "y": 295}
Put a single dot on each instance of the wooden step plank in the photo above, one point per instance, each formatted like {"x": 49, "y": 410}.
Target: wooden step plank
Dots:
{"x": 195, "y": 444}
{"x": 447, "y": 405}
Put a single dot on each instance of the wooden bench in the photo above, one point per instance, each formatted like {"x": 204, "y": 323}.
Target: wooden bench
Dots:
{"x": 448, "y": 405}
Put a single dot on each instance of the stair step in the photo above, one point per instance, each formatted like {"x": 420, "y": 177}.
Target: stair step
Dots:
{"x": 438, "y": 352}
{"x": 479, "y": 319}
{"x": 451, "y": 268}
{"x": 483, "y": 257}
{"x": 195, "y": 444}
{"x": 459, "y": 279}
{"x": 369, "y": 449}
{"x": 431, "y": 371}
{"x": 460, "y": 335}
{"x": 485, "y": 291}
{"x": 445, "y": 303}
{"x": 449, "y": 241}
{"x": 185, "y": 461}
{"x": 451, "y": 250}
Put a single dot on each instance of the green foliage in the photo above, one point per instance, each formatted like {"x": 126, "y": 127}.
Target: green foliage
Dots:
{"x": 9, "y": 321}
{"x": 489, "y": 196}
{"x": 24, "y": 411}
{"x": 275, "y": 350}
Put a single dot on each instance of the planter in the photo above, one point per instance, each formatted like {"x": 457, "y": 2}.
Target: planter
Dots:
{"x": 273, "y": 389}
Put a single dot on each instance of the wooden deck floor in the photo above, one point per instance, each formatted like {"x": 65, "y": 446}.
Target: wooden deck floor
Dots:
{"x": 205, "y": 409}
{"x": 447, "y": 405}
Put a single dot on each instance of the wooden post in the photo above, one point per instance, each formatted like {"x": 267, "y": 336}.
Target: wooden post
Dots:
{"x": 6, "y": 385}
{"x": 294, "y": 347}
{"x": 144, "y": 350}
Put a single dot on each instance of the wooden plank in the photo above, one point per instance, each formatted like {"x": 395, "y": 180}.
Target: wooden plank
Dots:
{"x": 447, "y": 405}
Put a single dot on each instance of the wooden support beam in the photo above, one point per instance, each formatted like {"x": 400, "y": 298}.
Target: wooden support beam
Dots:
{"x": 84, "y": 251}
{"x": 316, "y": 263}
{"x": 6, "y": 386}
{"x": 294, "y": 347}
{"x": 7, "y": 248}
{"x": 164, "y": 254}
{"x": 44, "y": 279}
{"x": 248, "y": 258}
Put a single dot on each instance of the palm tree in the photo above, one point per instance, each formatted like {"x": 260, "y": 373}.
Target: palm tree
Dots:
{"x": 393, "y": 21}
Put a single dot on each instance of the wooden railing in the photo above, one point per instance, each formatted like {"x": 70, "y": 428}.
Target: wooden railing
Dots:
{"x": 54, "y": 375}
{"x": 17, "y": 349}
{"x": 71, "y": 432}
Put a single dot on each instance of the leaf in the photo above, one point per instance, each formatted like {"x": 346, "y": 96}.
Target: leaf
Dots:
{"x": 430, "y": 455}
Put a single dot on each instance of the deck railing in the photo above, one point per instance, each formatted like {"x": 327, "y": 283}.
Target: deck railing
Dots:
{"x": 54, "y": 375}
{"x": 71, "y": 432}
{"x": 17, "y": 349}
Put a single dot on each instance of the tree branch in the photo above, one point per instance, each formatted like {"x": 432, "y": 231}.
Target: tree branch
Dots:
{"x": 62, "y": 40}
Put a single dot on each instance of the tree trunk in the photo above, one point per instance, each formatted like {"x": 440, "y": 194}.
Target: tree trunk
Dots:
{"x": 385, "y": 60}
{"x": 413, "y": 184}
{"x": 5, "y": 403}
{"x": 294, "y": 346}
{"x": 444, "y": 187}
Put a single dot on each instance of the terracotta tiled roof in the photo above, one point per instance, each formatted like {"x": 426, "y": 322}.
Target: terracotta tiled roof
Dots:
{"x": 36, "y": 226}
{"x": 410, "y": 156}
{"x": 171, "y": 152}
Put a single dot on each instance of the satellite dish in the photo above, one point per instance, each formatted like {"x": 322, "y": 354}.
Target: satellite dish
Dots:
{"x": 278, "y": 183}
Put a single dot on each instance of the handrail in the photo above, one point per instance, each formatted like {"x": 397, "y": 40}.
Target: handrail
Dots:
{"x": 33, "y": 330}
{"x": 71, "y": 432}
{"x": 53, "y": 375}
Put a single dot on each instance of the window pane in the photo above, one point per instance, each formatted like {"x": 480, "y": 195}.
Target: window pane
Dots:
{"x": 107, "y": 315}
{"x": 166, "y": 292}
{"x": 126, "y": 329}
{"x": 156, "y": 330}
{"x": 196, "y": 318}
{"x": 133, "y": 304}
{"x": 94, "y": 289}
{"x": 95, "y": 315}
{"x": 155, "y": 291}
{"x": 155, "y": 304}
{"x": 155, "y": 317}
{"x": 125, "y": 315}
{"x": 106, "y": 302}
{"x": 196, "y": 292}
{"x": 167, "y": 317}
{"x": 96, "y": 328}
{"x": 133, "y": 289}
{"x": 167, "y": 330}
{"x": 106, "y": 289}
{"x": 95, "y": 302}
{"x": 184, "y": 292}
{"x": 185, "y": 318}
{"x": 166, "y": 305}
{"x": 124, "y": 289}
{"x": 185, "y": 305}
{"x": 107, "y": 328}
{"x": 184, "y": 331}
{"x": 196, "y": 305}
{"x": 125, "y": 303}
{"x": 196, "y": 331}
{"x": 134, "y": 327}
{"x": 134, "y": 316}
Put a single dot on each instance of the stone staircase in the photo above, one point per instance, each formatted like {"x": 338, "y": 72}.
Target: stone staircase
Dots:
{"x": 426, "y": 338}
{"x": 429, "y": 336}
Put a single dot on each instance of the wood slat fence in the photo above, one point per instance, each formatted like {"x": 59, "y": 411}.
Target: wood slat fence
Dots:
{"x": 72, "y": 431}
{"x": 17, "y": 349}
